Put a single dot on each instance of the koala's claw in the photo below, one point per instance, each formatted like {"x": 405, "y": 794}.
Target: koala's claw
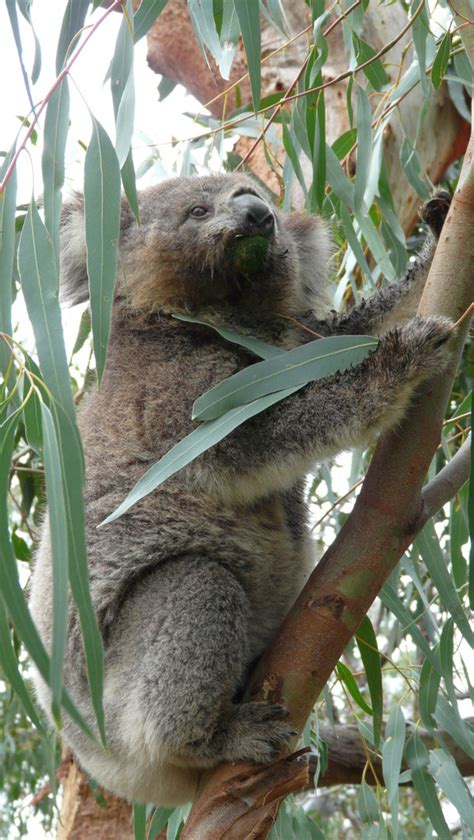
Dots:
{"x": 435, "y": 210}
{"x": 258, "y": 732}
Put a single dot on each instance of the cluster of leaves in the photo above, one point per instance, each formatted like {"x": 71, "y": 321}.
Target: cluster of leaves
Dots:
{"x": 37, "y": 418}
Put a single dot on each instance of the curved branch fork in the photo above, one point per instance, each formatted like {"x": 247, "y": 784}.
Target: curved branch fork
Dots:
{"x": 243, "y": 800}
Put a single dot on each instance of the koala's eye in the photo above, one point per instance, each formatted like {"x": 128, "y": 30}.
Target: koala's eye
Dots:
{"x": 199, "y": 211}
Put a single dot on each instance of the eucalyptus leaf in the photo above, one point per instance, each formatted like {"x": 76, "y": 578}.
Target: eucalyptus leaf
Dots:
{"x": 295, "y": 368}
{"x": 248, "y": 13}
{"x": 7, "y": 256}
{"x": 364, "y": 146}
{"x": 9, "y": 583}
{"x": 441, "y": 61}
{"x": 418, "y": 761}
{"x": 13, "y": 16}
{"x": 9, "y": 667}
{"x": 392, "y": 754}
{"x": 428, "y": 545}
{"x": 56, "y": 127}
{"x": 428, "y": 693}
{"x": 346, "y": 676}
{"x": 39, "y": 279}
{"x": 73, "y": 21}
{"x": 146, "y": 15}
{"x": 139, "y": 821}
{"x": 257, "y": 347}
{"x": 446, "y": 774}
{"x": 102, "y": 225}
{"x": 391, "y": 600}
{"x": 192, "y": 446}
{"x": 158, "y": 821}
{"x": 58, "y": 531}
{"x": 367, "y": 644}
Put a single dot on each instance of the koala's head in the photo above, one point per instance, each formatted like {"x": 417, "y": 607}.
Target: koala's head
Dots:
{"x": 203, "y": 242}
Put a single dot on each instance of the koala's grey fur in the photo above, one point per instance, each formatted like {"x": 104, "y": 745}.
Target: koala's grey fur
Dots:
{"x": 191, "y": 584}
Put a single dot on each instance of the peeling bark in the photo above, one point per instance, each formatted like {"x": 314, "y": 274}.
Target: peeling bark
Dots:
{"x": 82, "y": 818}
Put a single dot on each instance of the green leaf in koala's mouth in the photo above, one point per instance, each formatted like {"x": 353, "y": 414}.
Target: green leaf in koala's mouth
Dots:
{"x": 248, "y": 253}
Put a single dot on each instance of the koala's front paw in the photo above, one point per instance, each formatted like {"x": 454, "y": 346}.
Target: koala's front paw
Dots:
{"x": 435, "y": 210}
{"x": 421, "y": 346}
{"x": 258, "y": 732}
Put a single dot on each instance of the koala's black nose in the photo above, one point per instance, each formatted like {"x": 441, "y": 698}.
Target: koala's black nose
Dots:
{"x": 253, "y": 214}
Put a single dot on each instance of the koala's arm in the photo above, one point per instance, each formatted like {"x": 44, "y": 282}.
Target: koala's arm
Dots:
{"x": 278, "y": 446}
{"x": 398, "y": 301}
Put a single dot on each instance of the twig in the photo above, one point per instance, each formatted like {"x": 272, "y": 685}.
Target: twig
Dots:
{"x": 299, "y": 324}
{"x": 64, "y": 72}
{"x": 337, "y": 502}
{"x": 465, "y": 315}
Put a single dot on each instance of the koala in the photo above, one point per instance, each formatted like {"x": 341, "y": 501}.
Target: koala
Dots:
{"x": 191, "y": 584}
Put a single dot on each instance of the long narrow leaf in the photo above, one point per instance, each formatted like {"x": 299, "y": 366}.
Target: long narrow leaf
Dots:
{"x": 102, "y": 222}
{"x": 55, "y": 135}
{"x": 367, "y": 644}
{"x": 390, "y": 599}
{"x": 39, "y": 281}
{"x": 418, "y": 760}
{"x": 58, "y": 531}
{"x": 312, "y": 361}
{"x": 428, "y": 693}
{"x": 12, "y": 14}
{"x": 158, "y": 822}
{"x": 428, "y": 545}
{"x": 73, "y": 21}
{"x": 10, "y": 584}
{"x": 364, "y": 146}
{"x": 448, "y": 718}
{"x": 7, "y": 255}
{"x": 9, "y": 666}
{"x": 145, "y": 16}
{"x": 248, "y": 12}
{"x": 346, "y": 676}
{"x": 392, "y": 754}
{"x": 259, "y": 348}
{"x": 191, "y": 447}
{"x": 445, "y": 772}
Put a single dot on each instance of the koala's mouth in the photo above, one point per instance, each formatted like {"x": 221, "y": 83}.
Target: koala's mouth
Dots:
{"x": 247, "y": 253}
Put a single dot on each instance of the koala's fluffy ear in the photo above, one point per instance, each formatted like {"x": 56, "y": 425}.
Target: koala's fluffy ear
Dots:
{"x": 73, "y": 269}
{"x": 73, "y": 283}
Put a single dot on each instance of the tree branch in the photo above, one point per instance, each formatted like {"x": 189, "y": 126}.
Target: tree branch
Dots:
{"x": 446, "y": 484}
{"x": 384, "y": 521}
{"x": 347, "y": 757}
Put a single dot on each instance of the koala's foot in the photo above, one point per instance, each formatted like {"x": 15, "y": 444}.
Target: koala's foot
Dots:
{"x": 435, "y": 210}
{"x": 257, "y": 731}
{"x": 421, "y": 346}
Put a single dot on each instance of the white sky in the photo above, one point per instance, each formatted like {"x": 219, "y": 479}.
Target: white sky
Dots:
{"x": 157, "y": 120}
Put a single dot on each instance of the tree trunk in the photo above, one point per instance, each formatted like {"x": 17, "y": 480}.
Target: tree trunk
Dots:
{"x": 82, "y": 818}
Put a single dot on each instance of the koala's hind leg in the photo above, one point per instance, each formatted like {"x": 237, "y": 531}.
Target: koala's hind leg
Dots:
{"x": 190, "y": 655}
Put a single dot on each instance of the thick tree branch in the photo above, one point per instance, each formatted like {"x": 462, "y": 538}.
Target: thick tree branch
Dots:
{"x": 384, "y": 521}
